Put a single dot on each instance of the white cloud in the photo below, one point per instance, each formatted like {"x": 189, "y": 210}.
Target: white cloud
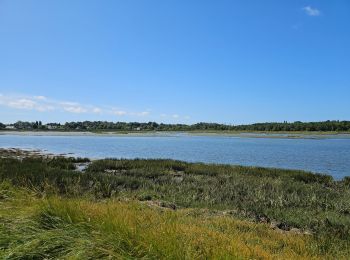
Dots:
{"x": 143, "y": 113}
{"x": 68, "y": 103}
{"x": 97, "y": 110}
{"x": 43, "y": 104}
{"x": 75, "y": 109}
{"x": 40, "y": 97}
{"x": 311, "y": 11}
{"x": 22, "y": 103}
{"x": 119, "y": 112}
{"x": 174, "y": 116}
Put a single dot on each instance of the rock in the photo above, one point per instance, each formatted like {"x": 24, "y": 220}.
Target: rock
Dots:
{"x": 308, "y": 232}
{"x": 263, "y": 219}
{"x": 283, "y": 226}
{"x": 295, "y": 230}
{"x": 274, "y": 224}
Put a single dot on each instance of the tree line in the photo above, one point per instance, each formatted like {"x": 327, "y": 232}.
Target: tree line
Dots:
{"x": 338, "y": 126}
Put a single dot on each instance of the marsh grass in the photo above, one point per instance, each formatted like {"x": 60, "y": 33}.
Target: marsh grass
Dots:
{"x": 53, "y": 227}
{"x": 125, "y": 209}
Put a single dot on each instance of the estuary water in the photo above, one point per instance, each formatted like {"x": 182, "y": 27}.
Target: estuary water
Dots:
{"x": 324, "y": 155}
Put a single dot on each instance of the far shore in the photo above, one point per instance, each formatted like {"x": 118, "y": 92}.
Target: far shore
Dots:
{"x": 275, "y": 134}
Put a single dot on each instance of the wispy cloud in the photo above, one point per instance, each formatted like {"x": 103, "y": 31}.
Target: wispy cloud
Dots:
{"x": 118, "y": 112}
{"x": 75, "y": 109}
{"x": 97, "y": 110}
{"x": 311, "y": 11}
{"x": 26, "y": 103}
{"x": 143, "y": 113}
{"x": 40, "y": 97}
{"x": 45, "y": 104}
{"x": 175, "y": 116}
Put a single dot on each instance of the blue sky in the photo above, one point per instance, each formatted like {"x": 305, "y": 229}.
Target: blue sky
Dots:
{"x": 175, "y": 61}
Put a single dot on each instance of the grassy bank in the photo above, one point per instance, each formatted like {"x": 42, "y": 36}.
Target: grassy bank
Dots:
{"x": 169, "y": 209}
{"x": 55, "y": 227}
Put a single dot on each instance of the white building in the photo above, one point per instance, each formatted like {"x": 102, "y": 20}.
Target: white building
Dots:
{"x": 50, "y": 127}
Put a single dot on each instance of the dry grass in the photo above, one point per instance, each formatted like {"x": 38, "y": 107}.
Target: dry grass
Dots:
{"x": 37, "y": 228}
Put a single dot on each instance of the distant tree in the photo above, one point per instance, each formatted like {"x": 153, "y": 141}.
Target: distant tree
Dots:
{"x": 35, "y": 125}
{"x": 202, "y": 126}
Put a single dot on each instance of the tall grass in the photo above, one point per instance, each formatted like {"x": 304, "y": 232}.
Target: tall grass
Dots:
{"x": 74, "y": 228}
{"x": 213, "y": 200}
{"x": 293, "y": 198}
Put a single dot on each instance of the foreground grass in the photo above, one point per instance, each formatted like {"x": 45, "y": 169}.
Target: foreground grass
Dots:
{"x": 54, "y": 227}
{"x": 168, "y": 209}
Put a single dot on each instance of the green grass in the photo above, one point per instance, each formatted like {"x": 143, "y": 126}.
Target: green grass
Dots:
{"x": 135, "y": 208}
{"x": 51, "y": 227}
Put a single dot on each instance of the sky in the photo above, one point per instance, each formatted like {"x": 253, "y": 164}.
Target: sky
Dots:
{"x": 174, "y": 61}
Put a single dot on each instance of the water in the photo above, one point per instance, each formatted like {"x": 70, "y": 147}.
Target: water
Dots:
{"x": 330, "y": 156}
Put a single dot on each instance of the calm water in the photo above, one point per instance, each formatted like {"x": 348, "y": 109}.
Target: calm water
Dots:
{"x": 331, "y": 156}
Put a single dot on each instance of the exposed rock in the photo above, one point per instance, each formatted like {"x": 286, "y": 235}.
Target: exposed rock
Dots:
{"x": 295, "y": 230}
{"x": 162, "y": 204}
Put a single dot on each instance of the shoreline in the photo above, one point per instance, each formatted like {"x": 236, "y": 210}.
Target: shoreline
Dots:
{"x": 21, "y": 153}
{"x": 280, "y": 135}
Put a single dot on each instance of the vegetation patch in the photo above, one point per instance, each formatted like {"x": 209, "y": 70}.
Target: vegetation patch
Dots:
{"x": 125, "y": 127}
{"x": 168, "y": 209}
{"x": 50, "y": 227}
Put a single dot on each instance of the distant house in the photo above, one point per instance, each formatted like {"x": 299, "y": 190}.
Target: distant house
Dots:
{"x": 10, "y": 127}
{"x": 138, "y": 128}
{"x": 52, "y": 126}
